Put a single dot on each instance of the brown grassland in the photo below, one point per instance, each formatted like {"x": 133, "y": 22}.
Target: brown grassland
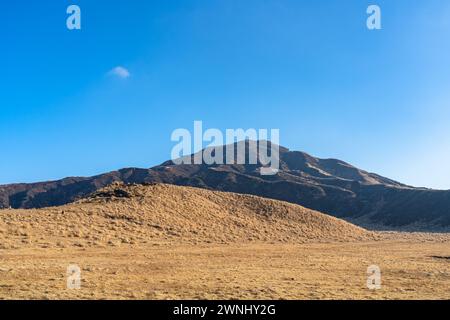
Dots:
{"x": 168, "y": 242}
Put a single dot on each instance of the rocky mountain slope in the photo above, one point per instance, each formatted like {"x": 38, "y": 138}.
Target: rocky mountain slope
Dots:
{"x": 326, "y": 185}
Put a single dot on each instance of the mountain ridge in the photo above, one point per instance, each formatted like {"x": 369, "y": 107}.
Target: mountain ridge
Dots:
{"x": 330, "y": 186}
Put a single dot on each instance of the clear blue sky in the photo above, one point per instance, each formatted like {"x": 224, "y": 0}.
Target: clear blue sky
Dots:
{"x": 377, "y": 99}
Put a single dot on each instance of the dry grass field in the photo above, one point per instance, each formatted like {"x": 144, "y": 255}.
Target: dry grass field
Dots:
{"x": 167, "y": 242}
{"x": 253, "y": 271}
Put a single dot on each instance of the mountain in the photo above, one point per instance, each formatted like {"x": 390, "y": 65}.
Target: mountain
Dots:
{"x": 330, "y": 186}
{"x": 139, "y": 214}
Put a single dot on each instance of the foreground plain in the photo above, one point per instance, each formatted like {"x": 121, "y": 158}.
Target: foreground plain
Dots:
{"x": 167, "y": 242}
{"x": 248, "y": 271}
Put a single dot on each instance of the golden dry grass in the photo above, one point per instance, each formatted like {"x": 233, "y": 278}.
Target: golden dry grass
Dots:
{"x": 237, "y": 271}
{"x": 170, "y": 213}
{"x": 167, "y": 242}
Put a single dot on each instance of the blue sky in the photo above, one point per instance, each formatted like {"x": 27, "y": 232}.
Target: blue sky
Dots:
{"x": 377, "y": 99}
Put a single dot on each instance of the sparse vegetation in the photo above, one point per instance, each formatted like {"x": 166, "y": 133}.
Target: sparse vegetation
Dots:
{"x": 163, "y": 241}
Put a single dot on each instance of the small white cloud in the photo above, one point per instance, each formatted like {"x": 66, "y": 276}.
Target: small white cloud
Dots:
{"x": 120, "y": 72}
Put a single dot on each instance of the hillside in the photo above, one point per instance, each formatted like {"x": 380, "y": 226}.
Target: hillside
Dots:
{"x": 172, "y": 242}
{"x": 330, "y": 186}
{"x": 137, "y": 214}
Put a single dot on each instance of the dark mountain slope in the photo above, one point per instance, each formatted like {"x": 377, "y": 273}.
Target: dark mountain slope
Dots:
{"x": 327, "y": 185}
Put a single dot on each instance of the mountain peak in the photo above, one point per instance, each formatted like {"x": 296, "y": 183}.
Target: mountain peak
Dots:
{"x": 327, "y": 185}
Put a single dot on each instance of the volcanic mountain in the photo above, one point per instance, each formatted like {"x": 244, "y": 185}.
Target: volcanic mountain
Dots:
{"x": 330, "y": 186}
